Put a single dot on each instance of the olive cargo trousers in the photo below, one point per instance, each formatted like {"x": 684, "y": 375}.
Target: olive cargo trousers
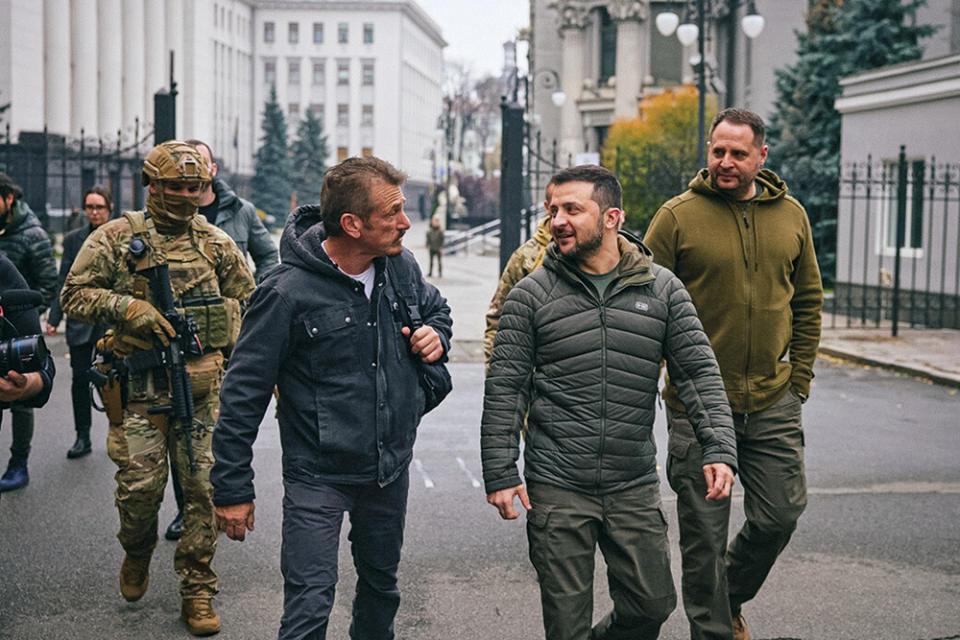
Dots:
{"x": 564, "y": 528}
{"x": 717, "y": 580}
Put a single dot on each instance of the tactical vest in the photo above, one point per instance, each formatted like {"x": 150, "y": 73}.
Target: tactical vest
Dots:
{"x": 193, "y": 279}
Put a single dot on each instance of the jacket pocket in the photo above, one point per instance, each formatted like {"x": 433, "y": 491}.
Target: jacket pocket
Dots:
{"x": 331, "y": 338}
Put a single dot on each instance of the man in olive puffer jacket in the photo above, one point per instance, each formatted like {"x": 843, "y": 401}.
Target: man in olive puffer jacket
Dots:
{"x": 579, "y": 348}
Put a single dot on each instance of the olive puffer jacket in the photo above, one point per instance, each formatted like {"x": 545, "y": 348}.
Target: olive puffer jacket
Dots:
{"x": 587, "y": 369}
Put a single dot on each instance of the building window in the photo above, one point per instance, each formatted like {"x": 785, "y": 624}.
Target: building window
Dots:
{"x": 913, "y": 223}
{"x": 366, "y": 115}
{"x": 367, "y": 152}
{"x": 293, "y": 32}
{"x": 319, "y": 74}
{"x": 342, "y": 33}
{"x": 270, "y": 72}
{"x": 341, "y": 154}
{"x": 268, "y": 32}
{"x": 316, "y": 109}
{"x": 367, "y": 33}
{"x": 293, "y": 110}
{"x": 318, "y": 33}
{"x": 293, "y": 72}
{"x": 343, "y": 115}
{"x": 368, "y": 73}
{"x": 343, "y": 72}
{"x": 608, "y": 46}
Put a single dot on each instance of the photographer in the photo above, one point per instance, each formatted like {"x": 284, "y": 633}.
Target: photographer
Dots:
{"x": 26, "y": 389}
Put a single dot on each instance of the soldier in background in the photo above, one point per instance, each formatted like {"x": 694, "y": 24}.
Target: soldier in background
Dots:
{"x": 210, "y": 280}
{"x": 28, "y": 247}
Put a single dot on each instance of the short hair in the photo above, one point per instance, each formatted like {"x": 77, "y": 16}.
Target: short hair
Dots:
{"x": 346, "y": 189}
{"x": 606, "y": 188}
{"x": 7, "y": 187}
{"x": 101, "y": 191}
{"x": 742, "y": 116}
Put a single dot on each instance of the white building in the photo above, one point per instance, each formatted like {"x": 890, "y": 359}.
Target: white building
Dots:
{"x": 371, "y": 69}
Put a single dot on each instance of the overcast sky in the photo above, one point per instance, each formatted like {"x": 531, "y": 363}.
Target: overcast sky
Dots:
{"x": 475, "y": 30}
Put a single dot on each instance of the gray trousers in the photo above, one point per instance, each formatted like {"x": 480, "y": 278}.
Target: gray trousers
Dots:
{"x": 564, "y": 528}
{"x": 717, "y": 580}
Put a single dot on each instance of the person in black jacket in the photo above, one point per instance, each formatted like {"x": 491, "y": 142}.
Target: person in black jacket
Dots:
{"x": 325, "y": 327}
{"x": 26, "y": 244}
{"x": 19, "y": 320}
{"x": 81, "y": 337}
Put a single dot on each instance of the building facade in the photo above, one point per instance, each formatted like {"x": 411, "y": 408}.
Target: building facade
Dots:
{"x": 370, "y": 69}
{"x": 607, "y": 54}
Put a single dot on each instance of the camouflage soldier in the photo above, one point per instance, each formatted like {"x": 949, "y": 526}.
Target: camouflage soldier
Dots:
{"x": 209, "y": 280}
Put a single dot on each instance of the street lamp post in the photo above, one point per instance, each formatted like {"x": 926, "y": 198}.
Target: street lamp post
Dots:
{"x": 668, "y": 22}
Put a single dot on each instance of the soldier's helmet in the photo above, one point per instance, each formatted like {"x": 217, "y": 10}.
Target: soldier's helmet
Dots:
{"x": 175, "y": 160}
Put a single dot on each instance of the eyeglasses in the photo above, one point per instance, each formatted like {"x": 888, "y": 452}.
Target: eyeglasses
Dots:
{"x": 95, "y": 207}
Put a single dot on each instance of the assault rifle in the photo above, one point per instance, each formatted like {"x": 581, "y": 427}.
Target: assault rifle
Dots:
{"x": 172, "y": 357}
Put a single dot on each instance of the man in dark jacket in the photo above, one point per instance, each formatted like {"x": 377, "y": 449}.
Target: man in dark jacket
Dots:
{"x": 81, "y": 337}
{"x": 21, "y": 319}
{"x": 237, "y": 217}
{"x": 324, "y": 327}
{"x": 744, "y": 249}
{"x": 579, "y": 347}
{"x": 28, "y": 247}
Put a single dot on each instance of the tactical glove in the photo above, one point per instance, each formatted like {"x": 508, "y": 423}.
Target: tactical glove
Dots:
{"x": 142, "y": 317}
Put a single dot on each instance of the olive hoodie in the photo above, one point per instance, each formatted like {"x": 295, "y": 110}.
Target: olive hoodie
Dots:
{"x": 751, "y": 271}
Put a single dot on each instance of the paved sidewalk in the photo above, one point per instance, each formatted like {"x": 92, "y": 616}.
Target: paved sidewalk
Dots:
{"x": 470, "y": 279}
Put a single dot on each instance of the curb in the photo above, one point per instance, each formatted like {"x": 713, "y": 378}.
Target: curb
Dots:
{"x": 946, "y": 381}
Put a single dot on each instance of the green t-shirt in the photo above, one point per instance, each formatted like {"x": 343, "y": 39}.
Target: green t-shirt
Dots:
{"x": 601, "y": 281}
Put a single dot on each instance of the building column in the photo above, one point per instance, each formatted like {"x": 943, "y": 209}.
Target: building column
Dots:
{"x": 133, "y": 65}
{"x": 83, "y": 75}
{"x": 110, "y": 70}
{"x": 573, "y": 20}
{"x": 155, "y": 57}
{"x": 633, "y": 53}
{"x": 174, "y": 42}
{"x": 56, "y": 72}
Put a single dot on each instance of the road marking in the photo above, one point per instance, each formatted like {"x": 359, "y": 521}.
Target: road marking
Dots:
{"x": 473, "y": 479}
{"x": 427, "y": 482}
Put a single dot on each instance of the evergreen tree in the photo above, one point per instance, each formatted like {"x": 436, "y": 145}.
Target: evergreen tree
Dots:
{"x": 843, "y": 37}
{"x": 270, "y": 186}
{"x": 309, "y": 153}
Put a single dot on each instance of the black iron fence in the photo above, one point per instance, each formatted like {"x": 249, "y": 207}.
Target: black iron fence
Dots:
{"x": 898, "y": 245}
{"x": 54, "y": 171}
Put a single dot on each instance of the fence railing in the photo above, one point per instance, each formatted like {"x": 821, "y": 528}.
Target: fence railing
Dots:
{"x": 898, "y": 245}
{"x": 54, "y": 171}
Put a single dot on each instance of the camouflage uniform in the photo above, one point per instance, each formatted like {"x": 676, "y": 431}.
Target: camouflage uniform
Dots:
{"x": 525, "y": 260}
{"x": 204, "y": 264}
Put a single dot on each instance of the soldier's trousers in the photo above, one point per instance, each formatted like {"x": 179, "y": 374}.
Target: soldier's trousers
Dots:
{"x": 564, "y": 528}
{"x": 140, "y": 451}
{"x": 717, "y": 580}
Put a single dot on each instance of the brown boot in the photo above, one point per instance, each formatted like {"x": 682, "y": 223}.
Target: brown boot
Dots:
{"x": 200, "y": 617}
{"x": 740, "y": 628}
{"x": 134, "y": 577}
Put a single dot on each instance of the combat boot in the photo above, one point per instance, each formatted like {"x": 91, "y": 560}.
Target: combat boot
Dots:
{"x": 80, "y": 448}
{"x": 134, "y": 577}
{"x": 740, "y": 628}
{"x": 16, "y": 475}
{"x": 200, "y": 617}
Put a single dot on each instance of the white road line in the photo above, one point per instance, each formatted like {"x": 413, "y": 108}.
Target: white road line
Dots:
{"x": 473, "y": 479}
{"x": 427, "y": 482}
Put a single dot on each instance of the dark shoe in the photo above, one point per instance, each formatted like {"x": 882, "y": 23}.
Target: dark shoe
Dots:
{"x": 80, "y": 448}
{"x": 176, "y": 528}
{"x": 200, "y": 617}
{"x": 134, "y": 577}
{"x": 16, "y": 475}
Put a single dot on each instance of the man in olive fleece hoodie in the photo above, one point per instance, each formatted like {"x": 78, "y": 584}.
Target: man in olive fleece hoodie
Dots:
{"x": 744, "y": 250}
{"x": 578, "y": 352}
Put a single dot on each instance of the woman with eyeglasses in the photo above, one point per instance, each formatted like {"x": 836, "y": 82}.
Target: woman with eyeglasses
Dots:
{"x": 81, "y": 338}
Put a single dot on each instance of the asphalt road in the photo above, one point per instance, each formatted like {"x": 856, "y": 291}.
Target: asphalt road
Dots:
{"x": 875, "y": 555}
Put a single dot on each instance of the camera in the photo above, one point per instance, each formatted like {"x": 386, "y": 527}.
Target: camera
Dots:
{"x": 23, "y": 355}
